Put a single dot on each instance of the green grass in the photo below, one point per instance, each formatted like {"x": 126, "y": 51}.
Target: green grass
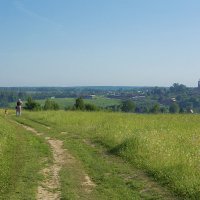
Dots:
{"x": 114, "y": 178}
{"x": 21, "y": 155}
{"x": 165, "y": 146}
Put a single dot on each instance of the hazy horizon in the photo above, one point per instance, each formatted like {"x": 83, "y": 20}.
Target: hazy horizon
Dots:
{"x": 99, "y": 43}
{"x": 85, "y": 86}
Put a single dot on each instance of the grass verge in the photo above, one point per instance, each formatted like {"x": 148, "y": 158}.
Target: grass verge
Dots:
{"x": 21, "y": 158}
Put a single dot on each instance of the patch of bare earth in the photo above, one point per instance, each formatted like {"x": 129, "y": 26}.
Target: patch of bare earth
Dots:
{"x": 87, "y": 184}
{"x": 49, "y": 189}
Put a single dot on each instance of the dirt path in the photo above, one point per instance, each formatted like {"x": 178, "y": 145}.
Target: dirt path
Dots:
{"x": 49, "y": 189}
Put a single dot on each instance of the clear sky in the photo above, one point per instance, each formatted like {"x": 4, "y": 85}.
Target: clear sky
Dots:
{"x": 99, "y": 42}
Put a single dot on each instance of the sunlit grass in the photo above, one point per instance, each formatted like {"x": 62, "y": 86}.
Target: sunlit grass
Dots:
{"x": 21, "y": 154}
{"x": 165, "y": 146}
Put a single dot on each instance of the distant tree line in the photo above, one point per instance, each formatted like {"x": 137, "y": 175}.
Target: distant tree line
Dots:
{"x": 129, "y": 106}
{"x": 7, "y": 97}
{"x": 174, "y": 99}
{"x": 52, "y": 105}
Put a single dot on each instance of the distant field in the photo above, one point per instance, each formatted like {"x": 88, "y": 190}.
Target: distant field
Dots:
{"x": 165, "y": 146}
{"x": 99, "y": 101}
{"x": 68, "y": 102}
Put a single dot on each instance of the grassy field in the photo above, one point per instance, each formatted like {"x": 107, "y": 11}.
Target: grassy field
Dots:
{"x": 165, "y": 146}
{"x": 20, "y": 153}
{"x": 69, "y": 102}
{"x": 111, "y": 175}
{"x": 128, "y": 156}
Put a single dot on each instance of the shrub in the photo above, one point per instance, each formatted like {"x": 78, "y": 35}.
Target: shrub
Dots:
{"x": 32, "y": 105}
{"x": 174, "y": 108}
{"x": 79, "y": 104}
{"x": 128, "y": 106}
{"x": 155, "y": 108}
{"x": 51, "y": 105}
{"x": 91, "y": 107}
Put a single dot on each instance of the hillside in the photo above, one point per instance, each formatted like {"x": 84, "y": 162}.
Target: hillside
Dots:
{"x": 121, "y": 155}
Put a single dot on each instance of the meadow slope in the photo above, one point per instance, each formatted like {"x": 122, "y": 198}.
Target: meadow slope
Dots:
{"x": 166, "y": 147}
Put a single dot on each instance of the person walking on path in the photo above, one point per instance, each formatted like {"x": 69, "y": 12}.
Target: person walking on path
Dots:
{"x": 19, "y": 107}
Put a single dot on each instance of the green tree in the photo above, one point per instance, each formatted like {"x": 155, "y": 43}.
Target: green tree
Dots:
{"x": 79, "y": 104}
{"x": 128, "y": 106}
{"x": 51, "y": 105}
{"x": 32, "y": 105}
{"x": 178, "y": 88}
{"x": 91, "y": 107}
{"x": 174, "y": 108}
{"x": 182, "y": 110}
{"x": 155, "y": 108}
{"x": 163, "y": 109}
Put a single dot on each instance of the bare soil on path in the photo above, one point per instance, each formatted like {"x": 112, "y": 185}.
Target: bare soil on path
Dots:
{"x": 49, "y": 188}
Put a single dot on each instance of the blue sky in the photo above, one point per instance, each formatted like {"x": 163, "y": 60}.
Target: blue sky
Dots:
{"x": 99, "y": 42}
